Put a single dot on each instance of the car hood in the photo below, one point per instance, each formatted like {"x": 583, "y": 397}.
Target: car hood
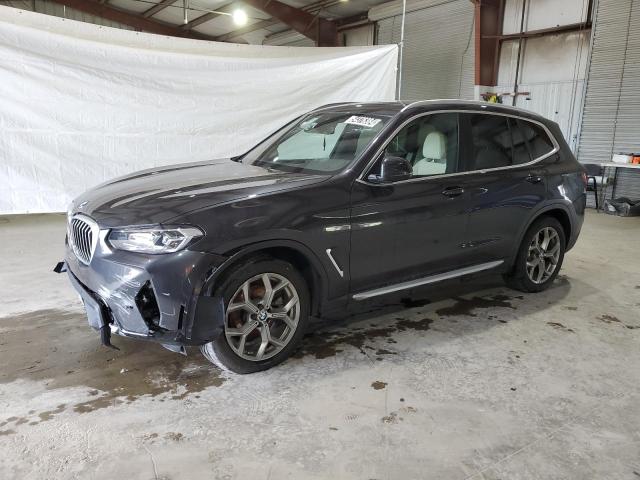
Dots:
{"x": 161, "y": 194}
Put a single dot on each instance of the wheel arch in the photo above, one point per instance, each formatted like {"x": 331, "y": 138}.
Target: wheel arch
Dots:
{"x": 556, "y": 210}
{"x": 563, "y": 217}
{"x": 296, "y": 253}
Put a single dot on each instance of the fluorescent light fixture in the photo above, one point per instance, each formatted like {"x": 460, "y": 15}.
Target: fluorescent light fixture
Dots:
{"x": 239, "y": 17}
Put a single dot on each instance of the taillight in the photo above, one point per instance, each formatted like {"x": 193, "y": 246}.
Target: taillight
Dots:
{"x": 584, "y": 179}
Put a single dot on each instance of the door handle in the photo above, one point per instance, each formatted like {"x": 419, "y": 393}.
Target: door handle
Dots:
{"x": 453, "y": 192}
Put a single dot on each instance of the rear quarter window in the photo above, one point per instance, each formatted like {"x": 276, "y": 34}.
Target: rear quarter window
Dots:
{"x": 499, "y": 141}
{"x": 539, "y": 142}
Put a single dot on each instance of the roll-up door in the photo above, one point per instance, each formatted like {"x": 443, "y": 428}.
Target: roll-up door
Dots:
{"x": 438, "y": 50}
{"x": 627, "y": 138}
{"x": 611, "y": 113}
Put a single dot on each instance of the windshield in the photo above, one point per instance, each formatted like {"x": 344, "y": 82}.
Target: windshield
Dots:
{"x": 318, "y": 143}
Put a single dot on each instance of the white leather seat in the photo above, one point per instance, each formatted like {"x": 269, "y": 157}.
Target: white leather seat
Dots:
{"x": 434, "y": 151}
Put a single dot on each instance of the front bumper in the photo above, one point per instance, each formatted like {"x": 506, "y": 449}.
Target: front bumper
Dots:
{"x": 149, "y": 297}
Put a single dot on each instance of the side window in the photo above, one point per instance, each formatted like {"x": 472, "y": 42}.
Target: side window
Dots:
{"x": 430, "y": 143}
{"x": 539, "y": 142}
{"x": 521, "y": 147}
{"x": 500, "y": 141}
{"x": 491, "y": 141}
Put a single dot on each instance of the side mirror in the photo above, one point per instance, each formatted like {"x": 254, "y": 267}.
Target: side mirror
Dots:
{"x": 395, "y": 169}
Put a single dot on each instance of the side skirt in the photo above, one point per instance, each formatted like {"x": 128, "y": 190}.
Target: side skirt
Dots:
{"x": 427, "y": 280}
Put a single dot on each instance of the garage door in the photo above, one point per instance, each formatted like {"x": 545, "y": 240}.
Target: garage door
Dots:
{"x": 438, "y": 54}
{"x": 611, "y": 115}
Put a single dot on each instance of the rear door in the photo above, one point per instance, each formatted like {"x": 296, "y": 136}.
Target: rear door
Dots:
{"x": 506, "y": 180}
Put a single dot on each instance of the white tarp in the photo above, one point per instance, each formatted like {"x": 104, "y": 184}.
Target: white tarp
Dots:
{"x": 80, "y": 103}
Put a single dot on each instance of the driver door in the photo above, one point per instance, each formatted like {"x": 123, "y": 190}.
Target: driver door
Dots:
{"x": 417, "y": 227}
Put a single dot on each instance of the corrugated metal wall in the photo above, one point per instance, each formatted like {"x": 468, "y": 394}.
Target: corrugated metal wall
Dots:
{"x": 358, "y": 36}
{"x": 611, "y": 115}
{"x": 628, "y": 184}
{"x": 438, "y": 58}
{"x": 57, "y": 10}
{"x": 302, "y": 42}
{"x": 288, "y": 38}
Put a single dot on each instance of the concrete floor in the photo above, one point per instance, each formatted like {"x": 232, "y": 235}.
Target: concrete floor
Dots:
{"x": 476, "y": 382}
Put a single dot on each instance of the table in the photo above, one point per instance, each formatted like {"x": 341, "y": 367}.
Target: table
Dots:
{"x": 606, "y": 172}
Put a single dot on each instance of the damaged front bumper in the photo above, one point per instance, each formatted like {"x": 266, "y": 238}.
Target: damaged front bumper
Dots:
{"x": 148, "y": 297}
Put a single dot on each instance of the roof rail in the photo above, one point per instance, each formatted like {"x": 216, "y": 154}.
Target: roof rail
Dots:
{"x": 457, "y": 100}
{"x": 333, "y": 105}
{"x": 346, "y": 104}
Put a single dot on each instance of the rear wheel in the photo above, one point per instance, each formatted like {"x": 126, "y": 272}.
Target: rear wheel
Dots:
{"x": 266, "y": 314}
{"x": 540, "y": 256}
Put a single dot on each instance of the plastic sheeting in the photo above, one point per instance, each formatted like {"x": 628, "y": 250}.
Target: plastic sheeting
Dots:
{"x": 80, "y": 103}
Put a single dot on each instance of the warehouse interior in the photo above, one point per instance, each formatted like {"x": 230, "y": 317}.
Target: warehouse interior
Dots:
{"x": 466, "y": 379}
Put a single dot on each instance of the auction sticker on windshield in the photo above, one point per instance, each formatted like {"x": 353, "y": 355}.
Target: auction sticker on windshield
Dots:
{"x": 367, "y": 122}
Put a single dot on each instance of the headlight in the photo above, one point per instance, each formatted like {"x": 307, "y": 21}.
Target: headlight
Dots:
{"x": 153, "y": 239}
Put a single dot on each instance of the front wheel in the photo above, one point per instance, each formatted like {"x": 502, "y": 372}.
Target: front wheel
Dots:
{"x": 540, "y": 256}
{"x": 266, "y": 314}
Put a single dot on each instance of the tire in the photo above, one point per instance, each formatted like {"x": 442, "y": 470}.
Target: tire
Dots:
{"x": 240, "y": 347}
{"x": 526, "y": 274}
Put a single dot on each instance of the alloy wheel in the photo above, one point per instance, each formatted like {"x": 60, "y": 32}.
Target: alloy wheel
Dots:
{"x": 262, "y": 316}
{"x": 543, "y": 255}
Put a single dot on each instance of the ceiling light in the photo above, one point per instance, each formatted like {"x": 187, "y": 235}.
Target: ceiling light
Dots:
{"x": 239, "y": 17}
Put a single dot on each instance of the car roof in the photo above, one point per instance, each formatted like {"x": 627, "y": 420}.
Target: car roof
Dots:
{"x": 395, "y": 108}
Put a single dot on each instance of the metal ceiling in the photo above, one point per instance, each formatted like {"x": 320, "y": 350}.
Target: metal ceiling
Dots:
{"x": 259, "y": 25}
{"x": 207, "y": 19}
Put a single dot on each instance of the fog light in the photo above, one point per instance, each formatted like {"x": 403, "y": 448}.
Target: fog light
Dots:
{"x": 148, "y": 307}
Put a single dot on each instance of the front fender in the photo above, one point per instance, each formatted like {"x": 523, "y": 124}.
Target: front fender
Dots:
{"x": 325, "y": 290}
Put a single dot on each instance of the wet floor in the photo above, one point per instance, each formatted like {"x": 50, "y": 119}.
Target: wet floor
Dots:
{"x": 58, "y": 349}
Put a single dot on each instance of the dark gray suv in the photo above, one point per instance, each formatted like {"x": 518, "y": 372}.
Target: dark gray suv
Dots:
{"x": 348, "y": 202}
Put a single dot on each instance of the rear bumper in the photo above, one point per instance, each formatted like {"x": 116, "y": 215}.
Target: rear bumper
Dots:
{"x": 150, "y": 297}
